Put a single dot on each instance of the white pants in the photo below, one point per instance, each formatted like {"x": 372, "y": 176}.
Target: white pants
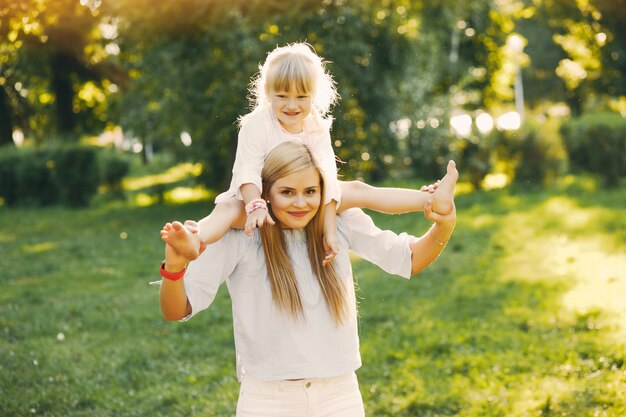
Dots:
{"x": 313, "y": 397}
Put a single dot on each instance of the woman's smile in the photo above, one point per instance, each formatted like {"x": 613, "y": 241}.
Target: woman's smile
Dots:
{"x": 298, "y": 213}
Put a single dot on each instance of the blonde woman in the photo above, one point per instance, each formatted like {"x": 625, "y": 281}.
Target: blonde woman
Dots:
{"x": 295, "y": 321}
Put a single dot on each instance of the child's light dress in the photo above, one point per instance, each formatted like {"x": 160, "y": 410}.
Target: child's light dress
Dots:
{"x": 260, "y": 132}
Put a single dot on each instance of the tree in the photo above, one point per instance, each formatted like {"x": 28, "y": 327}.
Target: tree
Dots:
{"x": 55, "y": 71}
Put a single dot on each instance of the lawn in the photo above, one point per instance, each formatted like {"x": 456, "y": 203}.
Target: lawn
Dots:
{"x": 523, "y": 315}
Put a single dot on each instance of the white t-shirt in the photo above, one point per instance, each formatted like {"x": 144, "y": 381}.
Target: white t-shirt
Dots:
{"x": 269, "y": 344}
{"x": 260, "y": 132}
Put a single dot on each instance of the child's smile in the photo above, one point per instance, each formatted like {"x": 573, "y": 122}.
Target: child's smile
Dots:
{"x": 291, "y": 108}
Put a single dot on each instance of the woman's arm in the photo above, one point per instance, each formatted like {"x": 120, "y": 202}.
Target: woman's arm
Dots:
{"x": 427, "y": 248}
{"x": 173, "y": 298}
{"x": 181, "y": 298}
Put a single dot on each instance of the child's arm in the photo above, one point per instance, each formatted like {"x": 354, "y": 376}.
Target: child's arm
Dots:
{"x": 257, "y": 217}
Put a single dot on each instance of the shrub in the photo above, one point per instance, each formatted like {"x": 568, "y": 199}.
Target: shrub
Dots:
{"x": 69, "y": 175}
{"x": 532, "y": 154}
{"x": 78, "y": 174}
{"x": 429, "y": 149}
{"x": 9, "y": 162}
{"x": 37, "y": 179}
{"x": 474, "y": 159}
{"x": 113, "y": 168}
{"x": 26, "y": 177}
{"x": 596, "y": 142}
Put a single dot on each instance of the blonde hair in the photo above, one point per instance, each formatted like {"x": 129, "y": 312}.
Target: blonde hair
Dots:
{"x": 295, "y": 66}
{"x": 285, "y": 159}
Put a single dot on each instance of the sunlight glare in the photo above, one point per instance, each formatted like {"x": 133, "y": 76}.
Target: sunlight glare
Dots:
{"x": 509, "y": 121}
{"x": 462, "y": 125}
{"x": 484, "y": 123}
{"x": 185, "y": 138}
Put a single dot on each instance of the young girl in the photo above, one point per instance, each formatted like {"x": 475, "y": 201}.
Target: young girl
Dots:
{"x": 292, "y": 96}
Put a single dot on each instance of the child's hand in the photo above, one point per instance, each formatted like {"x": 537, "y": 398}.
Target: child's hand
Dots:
{"x": 257, "y": 219}
{"x": 430, "y": 188}
{"x": 331, "y": 247}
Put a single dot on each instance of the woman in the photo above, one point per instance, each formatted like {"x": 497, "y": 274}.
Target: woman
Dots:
{"x": 295, "y": 321}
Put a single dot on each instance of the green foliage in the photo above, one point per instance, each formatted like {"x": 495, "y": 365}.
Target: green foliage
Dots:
{"x": 54, "y": 68}
{"x": 531, "y": 155}
{"x": 429, "y": 149}
{"x": 77, "y": 174}
{"x": 596, "y": 143}
{"x": 474, "y": 159}
{"x": 114, "y": 167}
{"x": 67, "y": 175}
{"x": 28, "y": 177}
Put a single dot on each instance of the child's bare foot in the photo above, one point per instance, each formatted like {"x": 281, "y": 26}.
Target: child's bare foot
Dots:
{"x": 181, "y": 240}
{"x": 443, "y": 197}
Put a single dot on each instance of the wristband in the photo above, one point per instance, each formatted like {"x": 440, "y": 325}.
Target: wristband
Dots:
{"x": 172, "y": 276}
{"x": 435, "y": 239}
{"x": 257, "y": 203}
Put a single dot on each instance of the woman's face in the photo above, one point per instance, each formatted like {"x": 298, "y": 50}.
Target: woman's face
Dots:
{"x": 296, "y": 198}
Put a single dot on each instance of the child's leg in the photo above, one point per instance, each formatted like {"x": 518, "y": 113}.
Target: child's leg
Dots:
{"x": 399, "y": 200}
{"x": 443, "y": 198}
{"x": 383, "y": 199}
{"x": 210, "y": 229}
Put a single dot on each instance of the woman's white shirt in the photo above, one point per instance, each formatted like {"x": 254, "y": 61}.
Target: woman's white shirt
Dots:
{"x": 269, "y": 344}
{"x": 260, "y": 132}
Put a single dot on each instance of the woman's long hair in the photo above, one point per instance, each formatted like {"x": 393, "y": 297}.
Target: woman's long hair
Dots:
{"x": 283, "y": 160}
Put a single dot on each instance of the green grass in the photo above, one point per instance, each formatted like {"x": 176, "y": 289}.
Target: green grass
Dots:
{"x": 523, "y": 315}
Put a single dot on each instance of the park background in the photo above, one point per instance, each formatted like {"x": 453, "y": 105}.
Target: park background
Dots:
{"x": 117, "y": 116}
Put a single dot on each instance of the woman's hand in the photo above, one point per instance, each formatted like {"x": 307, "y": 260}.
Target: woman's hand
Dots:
{"x": 443, "y": 220}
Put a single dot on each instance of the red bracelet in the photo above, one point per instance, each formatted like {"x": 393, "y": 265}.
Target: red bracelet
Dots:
{"x": 175, "y": 276}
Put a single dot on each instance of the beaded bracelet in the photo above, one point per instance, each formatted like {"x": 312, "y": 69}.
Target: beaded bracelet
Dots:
{"x": 257, "y": 203}
{"x": 172, "y": 276}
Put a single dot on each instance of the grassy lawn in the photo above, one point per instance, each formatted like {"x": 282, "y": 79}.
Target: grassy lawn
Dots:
{"x": 523, "y": 315}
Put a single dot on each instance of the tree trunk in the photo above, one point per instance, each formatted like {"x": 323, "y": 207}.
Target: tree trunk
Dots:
{"x": 6, "y": 126}
{"x": 64, "y": 92}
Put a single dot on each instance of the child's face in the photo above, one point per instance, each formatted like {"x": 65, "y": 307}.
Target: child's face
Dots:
{"x": 291, "y": 108}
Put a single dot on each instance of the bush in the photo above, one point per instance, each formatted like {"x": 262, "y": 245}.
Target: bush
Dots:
{"x": 596, "y": 143}
{"x": 474, "y": 159}
{"x": 113, "y": 168}
{"x": 69, "y": 175}
{"x": 78, "y": 174}
{"x": 9, "y": 163}
{"x": 26, "y": 177}
{"x": 532, "y": 155}
{"x": 429, "y": 149}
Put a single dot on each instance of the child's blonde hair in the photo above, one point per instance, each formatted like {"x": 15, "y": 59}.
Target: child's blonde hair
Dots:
{"x": 295, "y": 66}
{"x": 286, "y": 159}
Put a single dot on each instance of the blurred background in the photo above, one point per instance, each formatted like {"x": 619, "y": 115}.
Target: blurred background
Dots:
{"x": 119, "y": 115}
{"x": 511, "y": 89}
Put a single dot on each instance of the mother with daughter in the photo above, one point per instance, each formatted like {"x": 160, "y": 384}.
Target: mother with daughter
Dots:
{"x": 294, "y": 319}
